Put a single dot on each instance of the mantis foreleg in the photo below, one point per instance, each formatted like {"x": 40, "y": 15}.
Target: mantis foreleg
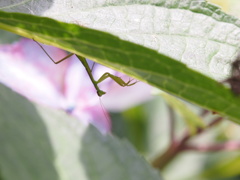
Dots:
{"x": 55, "y": 62}
{"x": 116, "y": 79}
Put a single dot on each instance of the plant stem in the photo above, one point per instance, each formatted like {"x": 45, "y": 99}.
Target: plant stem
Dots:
{"x": 226, "y": 146}
{"x": 177, "y": 147}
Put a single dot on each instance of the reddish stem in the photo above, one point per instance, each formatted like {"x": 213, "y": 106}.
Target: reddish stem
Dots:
{"x": 177, "y": 147}
{"x": 226, "y": 146}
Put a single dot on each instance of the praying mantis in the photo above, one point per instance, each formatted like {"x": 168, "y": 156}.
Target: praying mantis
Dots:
{"x": 106, "y": 75}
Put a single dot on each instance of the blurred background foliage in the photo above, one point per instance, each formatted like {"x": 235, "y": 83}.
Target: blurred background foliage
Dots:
{"x": 147, "y": 127}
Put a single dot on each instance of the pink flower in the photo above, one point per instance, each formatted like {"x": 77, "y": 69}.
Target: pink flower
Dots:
{"x": 26, "y": 69}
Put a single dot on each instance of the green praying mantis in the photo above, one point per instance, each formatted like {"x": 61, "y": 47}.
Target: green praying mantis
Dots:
{"x": 106, "y": 75}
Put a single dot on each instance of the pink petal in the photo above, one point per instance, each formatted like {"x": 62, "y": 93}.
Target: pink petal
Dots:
{"x": 28, "y": 70}
{"x": 25, "y": 71}
{"x": 121, "y": 98}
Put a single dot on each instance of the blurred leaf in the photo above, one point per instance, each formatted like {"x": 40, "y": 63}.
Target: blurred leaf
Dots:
{"x": 42, "y": 144}
{"x": 132, "y": 125}
{"x": 25, "y": 150}
{"x": 224, "y": 168}
{"x": 7, "y": 37}
{"x": 192, "y": 120}
{"x": 223, "y": 4}
{"x": 136, "y": 119}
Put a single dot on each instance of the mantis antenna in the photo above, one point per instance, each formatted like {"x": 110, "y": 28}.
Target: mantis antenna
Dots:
{"x": 106, "y": 75}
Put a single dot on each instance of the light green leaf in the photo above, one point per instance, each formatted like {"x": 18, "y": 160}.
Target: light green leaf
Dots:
{"x": 41, "y": 144}
{"x": 194, "y": 32}
{"x": 192, "y": 120}
{"x": 137, "y": 61}
{"x": 225, "y": 168}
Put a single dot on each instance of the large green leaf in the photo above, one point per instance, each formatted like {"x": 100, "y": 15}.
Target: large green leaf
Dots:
{"x": 42, "y": 144}
{"x": 137, "y": 61}
{"x": 194, "y": 32}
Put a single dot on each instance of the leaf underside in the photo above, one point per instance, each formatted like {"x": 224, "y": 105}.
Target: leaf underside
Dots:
{"x": 194, "y": 32}
{"x": 142, "y": 63}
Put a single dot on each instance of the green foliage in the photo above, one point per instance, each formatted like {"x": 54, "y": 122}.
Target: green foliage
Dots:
{"x": 223, "y": 168}
{"x": 137, "y": 61}
{"x": 42, "y": 144}
{"x": 36, "y": 140}
{"x": 132, "y": 125}
{"x": 192, "y": 120}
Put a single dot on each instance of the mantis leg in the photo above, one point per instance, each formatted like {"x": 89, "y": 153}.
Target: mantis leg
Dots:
{"x": 89, "y": 71}
{"x": 116, "y": 79}
{"x": 85, "y": 64}
{"x": 55, "y": 62}
{"x": 103, "y": 77}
